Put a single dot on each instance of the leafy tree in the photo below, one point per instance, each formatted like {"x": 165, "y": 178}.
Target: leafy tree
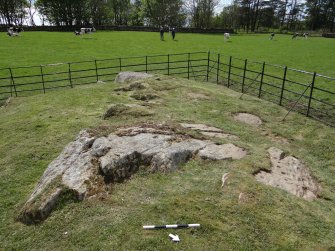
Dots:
{"x": 12, "y": 12}
{"x": 136, "y": 13}
{"x": 164, "y": 12}
{"x": 321, "y": 14}
{"x": 201, "y": 12}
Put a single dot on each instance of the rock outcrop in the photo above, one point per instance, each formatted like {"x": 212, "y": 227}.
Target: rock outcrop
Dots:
{"x": 290, "y": 174}
{"x": 91, "y": 163}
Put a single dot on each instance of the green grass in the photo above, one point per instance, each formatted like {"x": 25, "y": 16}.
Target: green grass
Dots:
{"x": 35, "y": 48}
{"x": 34, "y": 130}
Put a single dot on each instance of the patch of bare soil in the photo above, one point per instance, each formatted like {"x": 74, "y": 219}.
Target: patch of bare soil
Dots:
{"x": 276, "y": 138}
{"x": 4, "y": 103}
{"x": 290, "y": 174}
{"x": 248, "y": 118}
{"x": 194, "y": 95}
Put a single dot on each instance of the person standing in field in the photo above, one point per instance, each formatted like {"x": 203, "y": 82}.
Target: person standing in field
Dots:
{"x": 173, "y": 32}
{"x": 162, "y": 33}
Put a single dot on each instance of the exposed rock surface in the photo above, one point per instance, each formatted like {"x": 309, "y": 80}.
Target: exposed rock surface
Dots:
{"x": 226, "y": 151}
{"x": 290, "y": 174}
{"x": 209, "y": 131}
{"x": 127, "y": 76}
{"x": 248, "y": 118}
{"x": 90, "y": 162}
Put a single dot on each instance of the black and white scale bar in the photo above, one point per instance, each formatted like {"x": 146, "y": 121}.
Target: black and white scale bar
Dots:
{"x": 171, "y": 226}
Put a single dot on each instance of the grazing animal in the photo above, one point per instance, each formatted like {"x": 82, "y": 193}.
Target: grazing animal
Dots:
{"x": 13, "y": 31}
{"x": 272, "y": 35}
{"x": 226, "y": 35}
{"x": 305, "y": 35}
{"x": 295, "y": 35}
{"x": 84, "y": 31}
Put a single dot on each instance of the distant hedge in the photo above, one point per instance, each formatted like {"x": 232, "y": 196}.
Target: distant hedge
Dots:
{"x": 329, "y": 35}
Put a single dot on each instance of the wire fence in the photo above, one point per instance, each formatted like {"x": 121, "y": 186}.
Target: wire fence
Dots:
{"x": 308, "y": 93}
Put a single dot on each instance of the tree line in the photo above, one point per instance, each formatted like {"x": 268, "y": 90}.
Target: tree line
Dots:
{"x": 248, "y": 15}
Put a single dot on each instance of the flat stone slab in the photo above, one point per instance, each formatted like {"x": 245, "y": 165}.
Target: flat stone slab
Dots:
{"x": 290, "y": 174}
{"x": 210, "y": 131}
{"x": 90, "y": 163}
{"x": 127, "y": 76}
{"x": 220, "y": 152}
{"x": 248, "y": 118}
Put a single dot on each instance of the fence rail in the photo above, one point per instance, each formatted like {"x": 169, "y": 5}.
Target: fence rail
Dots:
{"x": 306, "y": 92}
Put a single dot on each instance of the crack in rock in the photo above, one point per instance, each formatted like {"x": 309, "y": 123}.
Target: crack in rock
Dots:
{"x": 78, "y": 171}
{"x": 290, "y": 174}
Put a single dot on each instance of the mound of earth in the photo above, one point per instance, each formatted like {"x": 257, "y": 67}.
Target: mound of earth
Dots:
{"x": 127, "y": 76}
{"x": 126, "y": 109}
{"x": 133, "y": 86}
{"x": 248, "y": 118}
{"x": 290, "y": 174}
{"x": 89, "y": 164}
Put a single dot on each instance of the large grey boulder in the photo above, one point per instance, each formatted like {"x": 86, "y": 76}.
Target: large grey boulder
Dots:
{"x": 127, "y": 76}
{"x": 91, "y": 162}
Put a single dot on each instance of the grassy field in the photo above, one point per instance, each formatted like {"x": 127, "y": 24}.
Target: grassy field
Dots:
{"x": 35, "y": 48}
{"x": 34, "y": 130}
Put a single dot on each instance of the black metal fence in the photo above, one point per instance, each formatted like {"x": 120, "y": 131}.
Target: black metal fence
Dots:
{"x": 309, "y": 93}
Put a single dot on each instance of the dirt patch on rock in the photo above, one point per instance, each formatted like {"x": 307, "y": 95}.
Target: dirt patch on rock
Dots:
{"x": 290, "y": 174}
{"x": 248, "y": 118}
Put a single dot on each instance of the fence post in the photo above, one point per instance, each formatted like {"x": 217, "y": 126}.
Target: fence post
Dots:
{"x": 146, "y": 64}
{"x": 120, "y": 63}
{"x": 229, "y": 70}
{"x": 244, "y": 72}
{"x": 283, "y": 86}
{"x": 168, "y": 64}
{"x": 208, "y": 58}
{"x": 70, "y": 77}
{"x": 12, "y": 80}
{"x": 218, "y": 70}
{"x": 311, "y": 94}
{"x": 188, "y": 66}
{"x": 261, "y": 84}
{"x": 42, "y": 75}
{"x": 96, "y": 70}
